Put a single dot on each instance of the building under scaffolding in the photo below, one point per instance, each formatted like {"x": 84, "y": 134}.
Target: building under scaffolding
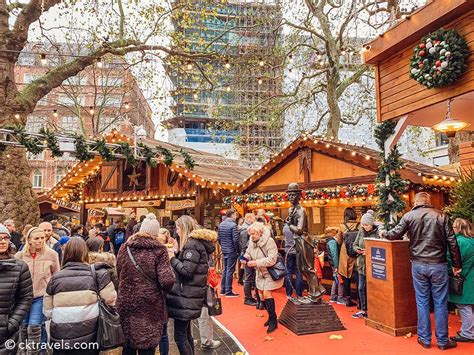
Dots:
{"x": 220, "y": 101}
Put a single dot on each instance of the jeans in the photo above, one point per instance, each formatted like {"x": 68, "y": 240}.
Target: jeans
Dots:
{"x": 337, "y": 291}
{"x": 362, "y": 288}
{"x": 35, "y": 317}
{"x": 183, "y": 337}
{"x": 292, "y": 268}
{"x": 466, "y": 312}
{"x": 431, "y": 279}
{"x": 229, "y": 267}
{"x": 164, "y": 341}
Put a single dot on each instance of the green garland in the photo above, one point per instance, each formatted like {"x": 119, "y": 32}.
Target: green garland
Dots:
{"x": 188, "y": 159}
{"x": 389, "y": 181}
{"x": 168, "y": 157}
{"x": 149, "y": 155}
{"x": 82, "y": 148}
{"x": 51, "y": 142}
{"x": 346, "y": 192}
{"x": 105, "y": 152}
{"x": 439, "y": 59}
{"x": 126, "y": 150}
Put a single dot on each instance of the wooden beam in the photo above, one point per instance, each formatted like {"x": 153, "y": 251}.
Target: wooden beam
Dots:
{"x": 395, "y": 137}
{"x": 428, "y": 18}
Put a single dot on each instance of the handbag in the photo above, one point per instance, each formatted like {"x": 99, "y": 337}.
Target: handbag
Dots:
{"x": 212, "y": 278}
{"x": 277, "y": 271}
{"x": 213, "y": 302}
{"x": 109, "y": 329}
{"x": 456, "y": 284}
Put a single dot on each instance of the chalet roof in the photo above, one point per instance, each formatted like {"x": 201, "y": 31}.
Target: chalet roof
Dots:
{"x": 368, "y": 158}
{"x": 210, "y": 170}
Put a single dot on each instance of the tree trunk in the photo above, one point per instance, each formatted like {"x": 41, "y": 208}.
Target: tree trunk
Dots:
{"x": 17, "y": 199}
{"x": 453, "y": 147}
{"x": 334, "y": 110}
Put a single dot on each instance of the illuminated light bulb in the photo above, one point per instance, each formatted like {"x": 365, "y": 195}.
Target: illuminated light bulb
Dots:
{"x": 195, "y": 96}
{"x": 261, "y": 62}
{"x": 367, "y": 157}
{"x": 452, "y": 179}
{"x": 435, "y": 177}
{"x": 91, "y": 110}
{"x": 339, "y": 149}
{"x": 227, "y": 88}
{"x": 260, "y": 81}
{"x": 127, "y": 106}
{"x": 99, "y": 64}
{"x": 444, "y": 177}
{"x": 327, "y": 145}
{"x": 353, "y": 154}
{"x": 190, "y": 66}
{"x": 17, "y": 116}
{"x": 227, "y": 64}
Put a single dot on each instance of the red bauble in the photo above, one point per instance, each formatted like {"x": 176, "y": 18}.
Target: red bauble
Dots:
{"x": 421, "y": 45}
{"x": 438, "y": 63}
{"x": 422, "y": 53}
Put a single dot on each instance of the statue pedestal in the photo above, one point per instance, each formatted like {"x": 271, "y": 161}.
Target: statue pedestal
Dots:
{"x": 310, "y": 318}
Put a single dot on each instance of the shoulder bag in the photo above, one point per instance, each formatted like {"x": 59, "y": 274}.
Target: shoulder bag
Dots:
{"x": 213, "y": 302}
{"x": 277, "y": 271}
{"x": 109, "y": 329}
{"x": 140, "y": 270}
{"x": 456, "y": 283}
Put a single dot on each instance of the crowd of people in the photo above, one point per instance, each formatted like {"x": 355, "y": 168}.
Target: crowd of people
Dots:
{"x": 58, "y": 280}
{"x": 58, "y": 274}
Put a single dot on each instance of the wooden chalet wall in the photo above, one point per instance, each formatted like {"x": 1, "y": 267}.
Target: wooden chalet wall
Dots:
{"x": 397, "y": 94}
{"x": 325, "y": 171}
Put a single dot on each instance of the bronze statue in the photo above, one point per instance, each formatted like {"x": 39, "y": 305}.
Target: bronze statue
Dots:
{"x": 298, "y": 223}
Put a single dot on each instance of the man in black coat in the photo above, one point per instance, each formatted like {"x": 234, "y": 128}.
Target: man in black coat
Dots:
{"x": 431, "y": 236}
{"x": 228, "y": 237}
{"x": 14, "y": 235}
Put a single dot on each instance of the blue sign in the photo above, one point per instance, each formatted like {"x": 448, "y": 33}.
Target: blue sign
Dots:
{"x": 379, "y": 261}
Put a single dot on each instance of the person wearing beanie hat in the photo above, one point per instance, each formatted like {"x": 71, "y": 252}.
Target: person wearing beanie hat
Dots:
{"x": 368, "y": 230}
{"x": 150, "y": 225}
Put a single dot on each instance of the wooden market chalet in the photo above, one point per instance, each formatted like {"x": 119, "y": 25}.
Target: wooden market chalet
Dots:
{"x": 333, "y": 175}
{"x": 97, "y": 186}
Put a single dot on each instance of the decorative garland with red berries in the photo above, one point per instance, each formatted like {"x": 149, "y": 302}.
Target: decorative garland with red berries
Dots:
{"x": 439, "y": 59}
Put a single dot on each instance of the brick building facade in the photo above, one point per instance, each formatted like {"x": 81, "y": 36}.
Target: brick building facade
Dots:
{"x": 101, "y": 98}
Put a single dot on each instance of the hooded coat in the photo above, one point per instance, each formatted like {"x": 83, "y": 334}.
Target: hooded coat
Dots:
{"x": 187, "y": 297}
{"x": 106, "y": 258}
{"x": 141, "y": 303}
{"x": 16, "y": 294}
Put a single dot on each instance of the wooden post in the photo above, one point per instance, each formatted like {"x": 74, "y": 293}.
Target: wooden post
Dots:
{"x": 83, "y": 214}
{"x": 200, "y": 204}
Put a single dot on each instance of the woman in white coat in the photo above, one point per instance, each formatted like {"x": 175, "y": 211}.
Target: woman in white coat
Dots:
{"x": 262, "y": 253}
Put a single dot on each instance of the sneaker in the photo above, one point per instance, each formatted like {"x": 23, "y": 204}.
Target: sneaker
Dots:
{"x": 222, "y": 293}
{"x": 358, "y": 314}
{"x": 364, "y": 315}
{"x": 232, "y": 295}
{"x": 449, "y": 345}
{"x": 215, "y": 344}
{"x": 333, "y": 299}
{"x": 426, "y": 346}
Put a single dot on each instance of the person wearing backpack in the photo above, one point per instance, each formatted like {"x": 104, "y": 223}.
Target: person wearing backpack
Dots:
{"x": 347, "y": 257}
{"x": 118, "y": 236}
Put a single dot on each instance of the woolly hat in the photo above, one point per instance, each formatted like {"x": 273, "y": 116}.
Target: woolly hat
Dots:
{"x": 64, "y": 239}
{"x": 368, "y": 218}
{"x": 150, "y": 225}
{"x": 4, "y": 230}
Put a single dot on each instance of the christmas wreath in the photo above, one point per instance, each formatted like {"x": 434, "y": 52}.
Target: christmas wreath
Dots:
{"x": 439, "y": 59}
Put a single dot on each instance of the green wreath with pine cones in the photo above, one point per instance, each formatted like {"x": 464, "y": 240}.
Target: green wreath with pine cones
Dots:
{"x": 439, "y": 59}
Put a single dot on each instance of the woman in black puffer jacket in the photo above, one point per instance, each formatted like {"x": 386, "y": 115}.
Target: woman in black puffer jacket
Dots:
{"x": 187, "y": 297}
{"x": 15, "y": 280}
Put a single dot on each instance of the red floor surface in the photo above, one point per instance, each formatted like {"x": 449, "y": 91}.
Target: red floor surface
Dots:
{"x": 246, "y": 323}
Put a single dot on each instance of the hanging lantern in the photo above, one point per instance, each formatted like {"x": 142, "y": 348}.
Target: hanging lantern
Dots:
{"x": 450, "y": 125}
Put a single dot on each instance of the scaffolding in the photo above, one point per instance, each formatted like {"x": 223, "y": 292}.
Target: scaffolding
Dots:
{"x": 243, "y": 32}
